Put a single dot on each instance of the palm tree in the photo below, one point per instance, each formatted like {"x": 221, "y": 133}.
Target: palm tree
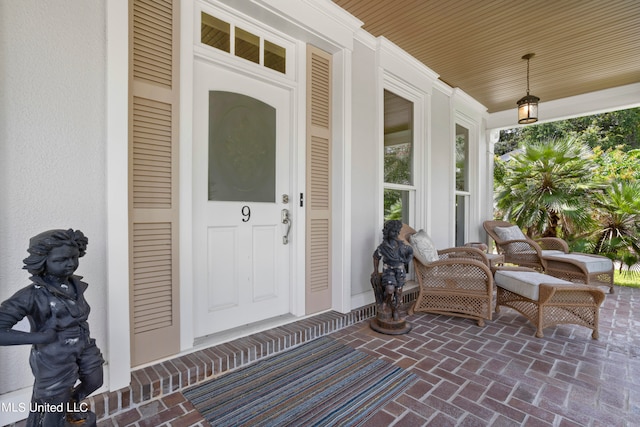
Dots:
{"x": 545, "y": 188}
{"x": 617, "y": 211}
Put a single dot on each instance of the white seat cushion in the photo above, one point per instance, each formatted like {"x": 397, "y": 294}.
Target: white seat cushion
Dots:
{"x": 599, "y": 264}
{"x": 550, "y": 252}
{"x": 526, "y": 283}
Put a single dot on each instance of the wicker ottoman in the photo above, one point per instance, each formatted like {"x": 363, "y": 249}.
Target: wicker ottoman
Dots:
{"x": 594, "y": 270}
{"x": 546, "y": 300}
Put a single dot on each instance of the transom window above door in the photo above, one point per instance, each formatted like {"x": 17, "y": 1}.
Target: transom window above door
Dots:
{"x": 242, "y": 43}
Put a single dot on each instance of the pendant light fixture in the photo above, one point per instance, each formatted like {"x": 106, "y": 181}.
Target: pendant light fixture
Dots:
{"x": 528, "y": 105}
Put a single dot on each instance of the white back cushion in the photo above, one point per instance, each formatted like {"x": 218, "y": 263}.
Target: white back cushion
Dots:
{"x": 423, "y": 248}
{"x": 510, "y": 233}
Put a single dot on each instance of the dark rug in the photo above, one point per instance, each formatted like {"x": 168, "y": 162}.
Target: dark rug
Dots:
{"x": 320, "y": 383}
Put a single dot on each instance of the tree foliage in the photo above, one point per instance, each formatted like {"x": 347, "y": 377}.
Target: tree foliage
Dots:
{"x": 578, "y": 179}
{"x": 616, "y": 164}
{"x": 606, "y": 130}
{"x": 543, "y": 189}
{"x": 617, "y": 214}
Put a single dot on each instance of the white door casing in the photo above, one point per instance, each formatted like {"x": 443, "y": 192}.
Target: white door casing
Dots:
{"x": 241, "y": 264}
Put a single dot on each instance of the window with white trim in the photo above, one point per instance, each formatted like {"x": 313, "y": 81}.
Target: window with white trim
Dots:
{"x": 463, "y": 194}
{"x": 399, "y": 180}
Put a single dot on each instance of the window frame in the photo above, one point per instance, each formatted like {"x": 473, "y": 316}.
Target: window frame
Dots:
{"x": 417, "y": 98}
{"x": 264, "y": 34}
{"x": 472, "y": 185}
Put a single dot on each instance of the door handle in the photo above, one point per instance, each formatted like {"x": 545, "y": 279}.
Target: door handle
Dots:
{"x": 286, "y": 220}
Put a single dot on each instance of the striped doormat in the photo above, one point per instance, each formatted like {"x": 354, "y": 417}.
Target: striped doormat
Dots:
{"x": 320, "y": 383}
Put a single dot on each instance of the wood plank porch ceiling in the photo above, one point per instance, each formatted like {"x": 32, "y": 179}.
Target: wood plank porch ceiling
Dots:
{"x": 580, "y": 46}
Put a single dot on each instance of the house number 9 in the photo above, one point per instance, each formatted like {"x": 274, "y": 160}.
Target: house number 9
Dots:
{"x": 246, "y": 213}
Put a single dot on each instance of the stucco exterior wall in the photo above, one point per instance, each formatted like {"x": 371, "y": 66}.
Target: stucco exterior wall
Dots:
{"x": 441, "y": 216}
{"x": 52, "y": 147}
{"x": 364, "y": 178}
{"x": 472, "y": 115}
{"x": 375, "y": 62}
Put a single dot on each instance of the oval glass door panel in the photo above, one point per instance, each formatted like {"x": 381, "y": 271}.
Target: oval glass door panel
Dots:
{"x": 242, "y": 148}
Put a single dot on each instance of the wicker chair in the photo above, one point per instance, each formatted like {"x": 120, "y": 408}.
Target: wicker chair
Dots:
{"x": 523, "y": 252}
{"x": 551, "y": 255}
{"x": 459, "y": 283}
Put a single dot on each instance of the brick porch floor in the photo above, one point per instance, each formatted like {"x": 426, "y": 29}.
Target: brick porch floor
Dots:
{"x": 498, "y": 375}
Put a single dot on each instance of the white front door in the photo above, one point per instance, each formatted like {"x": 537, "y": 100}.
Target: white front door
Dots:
{"x": 241, "y": 139}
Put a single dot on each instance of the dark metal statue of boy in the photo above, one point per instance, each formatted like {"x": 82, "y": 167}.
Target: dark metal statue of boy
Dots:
{"x": 64, "y": 359}
{"x": 395, "y": 255}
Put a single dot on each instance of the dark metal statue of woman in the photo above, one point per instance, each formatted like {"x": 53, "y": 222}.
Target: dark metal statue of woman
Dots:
{"x": 64, "y": 359}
